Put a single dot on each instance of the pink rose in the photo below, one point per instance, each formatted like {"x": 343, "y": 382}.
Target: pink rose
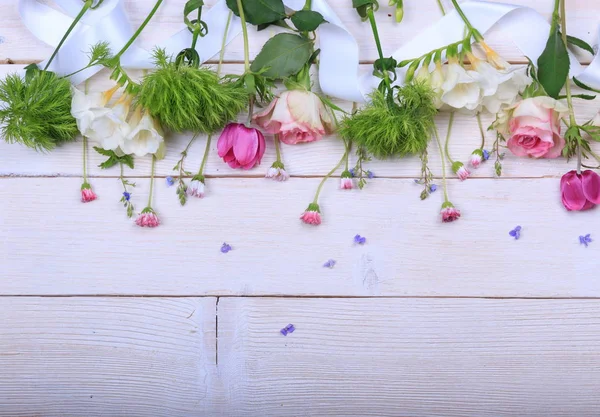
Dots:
{"x": 534, "y": 128}
{"x": 297, "y": 116}
{"x": 241, "y": 146}
{"x": 580, "y": 191}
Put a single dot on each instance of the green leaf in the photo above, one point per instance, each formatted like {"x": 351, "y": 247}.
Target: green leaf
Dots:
{"x": 307, "y": 20}
{"x": 553, "y": 65}
{"x": 580, "y": 43}
{"x": 361, "y": 7}
{"x": 584, "y": 86}
{"x": 113, "y": 158}
{"x": 259, "y": 12}
{"x": 283, "y": 55}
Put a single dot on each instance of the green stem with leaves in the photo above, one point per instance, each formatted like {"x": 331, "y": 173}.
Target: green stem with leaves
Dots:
{"x": 151, "y": 181}
{"x": 245, "y": 35}
{"x": 478, "y": 37}
{"x": 563, "y": 24}
{"x": 329, "y": 174}
{"x": 447, "y": 151}
{"x": 373, "y": 22}
{"x": 88, "y": 4}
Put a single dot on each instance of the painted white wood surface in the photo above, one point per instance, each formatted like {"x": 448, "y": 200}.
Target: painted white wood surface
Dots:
{"x": 106, "y": 356}
{"x": 425, "y": 342}
{"x": 410, "y": 357}
{"x": 52, "y": 244}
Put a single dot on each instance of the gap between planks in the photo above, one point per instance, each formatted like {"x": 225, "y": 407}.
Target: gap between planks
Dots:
{"x": 309, "y": 297}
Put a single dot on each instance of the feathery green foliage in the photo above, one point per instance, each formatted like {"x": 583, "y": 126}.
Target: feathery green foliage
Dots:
{"x": 187, "y": 98}
{"x": 393, "y": 128}
{"x": 37, "y": 111}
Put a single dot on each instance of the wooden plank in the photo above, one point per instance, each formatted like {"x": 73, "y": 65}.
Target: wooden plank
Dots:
{"x": 22, "y": 47}
{"x": 52, "y": 244}
{"x": 410, "y": 357}
{"x": 106, "y": 356}
{"x": 314, "y": 159}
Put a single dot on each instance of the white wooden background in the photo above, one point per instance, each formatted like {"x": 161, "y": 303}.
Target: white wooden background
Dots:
{"x": 101, "y": 318}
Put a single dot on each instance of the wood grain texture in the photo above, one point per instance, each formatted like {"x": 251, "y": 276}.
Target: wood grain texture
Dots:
{"x": 22, "y": 47}
{"x": 52, "y": 244}
{"x": 313, "y": 159}
{"x": 410, "y": 357}
{"x": 106, "y": 357}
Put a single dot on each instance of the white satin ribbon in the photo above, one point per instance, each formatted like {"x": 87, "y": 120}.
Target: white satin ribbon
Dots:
{"x": 339, "y": 59}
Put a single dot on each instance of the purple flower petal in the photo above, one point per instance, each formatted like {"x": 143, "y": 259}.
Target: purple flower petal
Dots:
{"x": 358, "y": 239}
{"x": 225, "y": 248}
{"x": 330, "y": 263}
{"x": 170, "y": 181}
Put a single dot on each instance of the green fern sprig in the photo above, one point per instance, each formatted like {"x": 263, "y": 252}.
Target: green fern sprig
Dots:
{"x": 393, "y": 128}
{"x": 37, "y": 111}
{"x": 183, "y": 98}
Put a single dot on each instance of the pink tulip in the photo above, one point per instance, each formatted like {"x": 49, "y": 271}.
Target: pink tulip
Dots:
{"x": 241, "y": 146}
{"x": 297, "y": 116}
{"x": 580, "y": 191}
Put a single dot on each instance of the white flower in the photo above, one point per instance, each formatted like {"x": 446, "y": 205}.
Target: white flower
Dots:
{"x": 507, "y": 91}
{"x": 196, "y": 187}
{"x": 461, "y": 87}
{"x": 437, "y": 80}
{"x": 145, "y": 136}
{"x": 110, "y": 129}
{"x": 423, "y": 74}
{"x": 85, "y": 108}
{"x": 277, "y": 172}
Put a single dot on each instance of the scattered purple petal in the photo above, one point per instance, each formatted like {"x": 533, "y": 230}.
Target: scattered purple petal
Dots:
{"x": 352, "y": 172}
{"x": 585, "y": 240}
{"x": 170, "y": 181}
{"x": 358, "y": 239}
{"x": 516, "y": 232}
{"x": 225, "y": 248}
{"x": 330, "y": 263}
{"x": 432, "y": 188}
{"x": 417, "y": 181}
{"x": 287, "y": 329}
{"x": 486, "y": 155}
{"x": 370, "y": 175}
{"x": 126, "y": 195}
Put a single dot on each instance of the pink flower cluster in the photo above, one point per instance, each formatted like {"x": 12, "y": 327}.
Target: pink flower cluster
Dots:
{"x": 147, "y": 218}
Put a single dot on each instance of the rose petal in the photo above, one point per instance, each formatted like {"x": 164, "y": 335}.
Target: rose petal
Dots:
{"x": 590, "y": 182}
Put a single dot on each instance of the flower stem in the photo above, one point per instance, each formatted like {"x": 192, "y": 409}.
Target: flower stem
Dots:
{"x": 85, "y": 8}
{"x": 329, "y": 175}
{"x": 277, "y": 147}
{"x": 347, "y": 146}
{"x": 224, "y": 43}
{"x": 151, "y": 181}
{"x": 472, "y": 30}
{"x": 371, "y": 16}
{"x": 555, "y": 16}
{"x": 439, "y": 142}
{"x": 138, "y": 31}
{"x": 122, "y": 178}
{"x": 205, "y": 157}
{"x": 439, "y": 2}
{"x": 85, "y": 145}
{"x": 450, "y": 123}
{"x": 481, "y": 131}
{"x": 245, "y": 34}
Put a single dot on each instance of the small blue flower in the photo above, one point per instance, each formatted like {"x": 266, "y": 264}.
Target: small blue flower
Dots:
{"x": 585, "y": 240}
{"x": 370, "y": 174}
{"x": 170, "y": 181}
{"x": 486, "y": 155}
{"x": 330, "y": 263}
{"x": 225, "y": 248}
{"x": 360, "y": 240}
{"x": 126, "y": 195}
{"x": 516, "y": 232}
{"x": 352, "y": 172}
{"x": 432, "y": 188}
{"x": 287, "y": 329}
